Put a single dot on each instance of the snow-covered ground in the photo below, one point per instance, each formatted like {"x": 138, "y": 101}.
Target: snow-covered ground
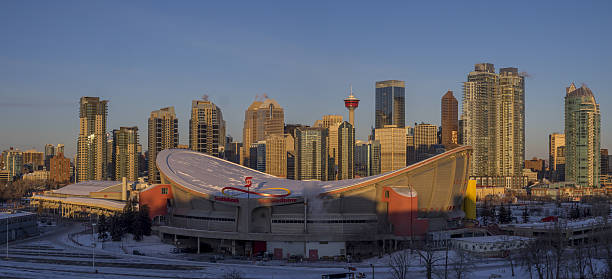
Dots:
{"x": 56, "y": 255}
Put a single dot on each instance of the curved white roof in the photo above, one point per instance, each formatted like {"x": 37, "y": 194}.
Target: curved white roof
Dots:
{"x": 208, "y": 175}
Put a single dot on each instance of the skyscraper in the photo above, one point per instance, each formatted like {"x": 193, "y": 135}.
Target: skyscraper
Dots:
{"x": 13, "y": 163}
{"x": 392, "y": 147}
{"x": 311, "y": 154}
{"x": 582, "y": 137}
{"x": 367, "y": 158}
{"x": 49, "y": 152}
{"x": 91, "y": 145}
{"x": 125, "y": 141}
{"x": 425, "y": 137}
{"x": 276, "y": 155}
{"x": 390, "y": 103}
{"x": 34, "y": 158}
{"x": 449, "y": 121}
{"x": 163, "y": 134}
{"x": 511, "y": 123}
{"x": 260, "y": 120}
{"x": 494, "y": 122}
{"x": 346, "y": 151}
{"x": 59, "y": 148}
{"x": 206, "y": 128}
{"x": 331, "y": 123}
{"x": 557, "y": 171}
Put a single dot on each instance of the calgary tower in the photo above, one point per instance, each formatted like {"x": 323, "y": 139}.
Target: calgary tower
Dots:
{"x": 351, "y": 103}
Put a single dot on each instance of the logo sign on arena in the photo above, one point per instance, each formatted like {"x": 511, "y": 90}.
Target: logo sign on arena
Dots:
{"x": 230, "y": 193}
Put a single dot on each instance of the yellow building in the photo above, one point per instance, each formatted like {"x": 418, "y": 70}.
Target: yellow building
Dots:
{"x": 392, "y": 147}
{"x": 276, "y": 155}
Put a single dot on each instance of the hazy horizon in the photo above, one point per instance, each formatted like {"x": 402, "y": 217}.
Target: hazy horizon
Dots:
{"x": 143, "y": 56}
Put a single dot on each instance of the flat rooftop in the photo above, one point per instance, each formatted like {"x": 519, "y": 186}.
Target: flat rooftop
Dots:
{"x": 493, "y": 238}
{"x": 5, "y": 214}
{"x": 85, "y": 187}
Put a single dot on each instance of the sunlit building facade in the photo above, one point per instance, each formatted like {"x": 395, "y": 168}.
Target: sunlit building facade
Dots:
{"x": 163, "y": 134}
{"x": 582, "y": 137}
{"x": 92, "y": 158}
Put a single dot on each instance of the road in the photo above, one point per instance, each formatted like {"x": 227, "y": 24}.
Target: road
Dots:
{"x": 52, "y": 255}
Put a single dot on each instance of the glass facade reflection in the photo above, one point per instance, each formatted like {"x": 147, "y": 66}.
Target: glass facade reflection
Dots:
{"x": 390, "y": 103}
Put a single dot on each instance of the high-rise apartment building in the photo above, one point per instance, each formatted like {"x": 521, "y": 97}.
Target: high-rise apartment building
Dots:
{"x": 390, "y": 103}
{"x": 392, "y": 147}
{"x": 91, "y": 146}
{"x": 110, "y": 160}
{"x": 276, "y": 155}
{"x": 425, "y": 138}
{"x": 13, "y": 163}
{"x": 511, "y": 123}
{"x": 346, "y": 151}
{"x": 163, "y": 134}
{"x": 582, "y": 137}
{"x": 450, "y": 123}
{"x": 206, "y": 128}
{"x": 49, "y": 152}
{"x": 126, "y": 156}
{"x": 60, "y": 169}
{"x": 260, "y": 120}
{"x": 556, "y": 167}
{"x": 34, "y": 158}
{"x": 493, "y": 118}
{"x": 311, "y": 154}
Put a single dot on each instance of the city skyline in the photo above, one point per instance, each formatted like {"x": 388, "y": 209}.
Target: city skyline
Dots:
{"x": 38, "y": 85}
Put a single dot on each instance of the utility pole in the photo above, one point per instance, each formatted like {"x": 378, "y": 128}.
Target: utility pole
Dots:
{"x": 93, "y": 244}
{"x": 7, "y": 220}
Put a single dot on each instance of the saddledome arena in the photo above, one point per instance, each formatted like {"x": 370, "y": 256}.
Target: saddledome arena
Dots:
{"x": 208, "y": 206}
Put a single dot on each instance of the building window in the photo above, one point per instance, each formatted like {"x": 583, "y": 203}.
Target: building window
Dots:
{"x": 164, "y": 191}
{"x": 387, "y": 194}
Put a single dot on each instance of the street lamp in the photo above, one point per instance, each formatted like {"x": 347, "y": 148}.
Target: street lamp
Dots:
{"x": 93, "y": 244}
{"x": 372, "y": 265}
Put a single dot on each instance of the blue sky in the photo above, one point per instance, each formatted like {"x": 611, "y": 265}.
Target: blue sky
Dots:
{"x": 145, "y": 55}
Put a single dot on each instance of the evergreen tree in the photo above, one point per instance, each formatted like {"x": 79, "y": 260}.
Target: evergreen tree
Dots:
{"x": 102, "y": 228}
{"x": 142, "y": 223}
{"x": 525, "y": 215}
{"x": 115, "y": 228}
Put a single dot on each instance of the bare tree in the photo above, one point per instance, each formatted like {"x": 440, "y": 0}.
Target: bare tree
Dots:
{"x": 534, "y": 258}
{"x": 399, "y": 264}
{"x": 428, "y": 256}
{"x": 461, "y": 265}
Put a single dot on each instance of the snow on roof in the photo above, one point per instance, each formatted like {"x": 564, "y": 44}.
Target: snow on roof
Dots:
{"x": 85, "y": 201}
{"x": 571, "y": 224}
{"x": 85, "y": 187}
{"x": 207, "y": 174}
{"x": 5, "y": 215}
{"x": 493, "y": 238}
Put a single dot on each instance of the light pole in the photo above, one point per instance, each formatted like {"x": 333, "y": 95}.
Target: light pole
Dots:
{"x": 93, "y": 244}
{"x": 7, "y": 220}
{"x": 372, "y": 265}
